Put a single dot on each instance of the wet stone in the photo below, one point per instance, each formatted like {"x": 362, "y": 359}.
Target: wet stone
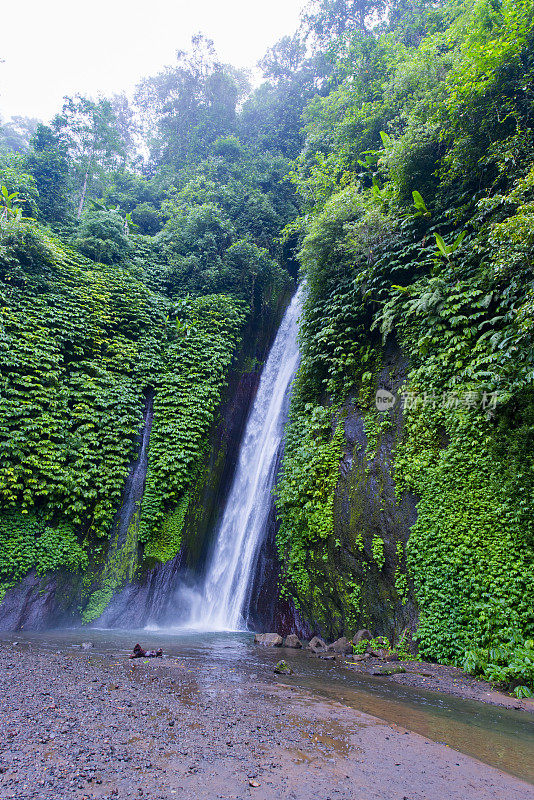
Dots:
{"x": 268, "y": 639}
{"x": 389, "y": 671}
{"x": 317, "y": 645}
{"x": 292, "y": 641}
{"x": 341, "y": 646}
{"x": 283, "y": 668}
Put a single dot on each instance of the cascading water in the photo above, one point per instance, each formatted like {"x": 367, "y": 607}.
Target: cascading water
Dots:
{"x": 135, "y": 482}
{"x": 122, "y": 555}
{"x": 219, "y": 604}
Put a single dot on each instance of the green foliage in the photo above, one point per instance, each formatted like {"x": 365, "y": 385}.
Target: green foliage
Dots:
{"x": 470, "y": 551}
{"x": 81, "y": 341}
{"x": 9, "y": 201}
{"x": 119, "y": 567}
{"x": 401, "y": 578}
{"x": 330, "y": 19}
{"x": 416, "y": 176}
{"x": 305, "y": 497}
{"x": 195, "y": 367}
{"x": 90, "y": 133}
{"x": 26, "y": 543}
{"x": 165, "y": 543}
{"x": 74, "y": 342}
{"x": 374, "y": 644}
{"x": 403, "y": 650}
{"x": 419, "y": 204}
{"x": 377, "y": 549}
{"x": 415, "y": 191}
{"x": 48, "y": 164}
{"x": 193, "y": 102}
{"x": 148, "y": 291}
{"x": 447, "y": 250}
{"x": 511, "y": 665}
{"x": 101, "y": 236}
{"x": 228, "y": 147}
{"x": 147, "y": 218}
{"x": 19, "y": 185}
{"x": 222, "y": 229}
{"x": 15, "y": 135}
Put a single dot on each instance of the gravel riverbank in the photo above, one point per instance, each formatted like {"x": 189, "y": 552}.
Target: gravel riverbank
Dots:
{"x": 86, "y": 725}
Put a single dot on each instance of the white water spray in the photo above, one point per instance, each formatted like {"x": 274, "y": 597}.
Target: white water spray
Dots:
{"x": 219, "y": 604}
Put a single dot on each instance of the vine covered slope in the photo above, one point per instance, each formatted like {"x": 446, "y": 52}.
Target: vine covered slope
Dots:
{"x": 417, "y": 176}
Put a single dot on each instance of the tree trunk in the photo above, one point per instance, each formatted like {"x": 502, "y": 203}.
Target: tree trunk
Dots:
{"x": 82, "y": 198}
{"x": 85, "y": 182}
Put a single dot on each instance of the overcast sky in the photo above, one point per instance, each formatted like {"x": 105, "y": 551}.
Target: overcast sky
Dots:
{"x": 51, "y": 48}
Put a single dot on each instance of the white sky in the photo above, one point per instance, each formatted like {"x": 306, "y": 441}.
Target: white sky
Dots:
{"x": 53, "y": 48}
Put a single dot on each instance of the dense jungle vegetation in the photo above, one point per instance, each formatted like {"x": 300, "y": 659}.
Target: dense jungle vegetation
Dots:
{"x": 122, "y": 278}
{"x": 390, "y": 149}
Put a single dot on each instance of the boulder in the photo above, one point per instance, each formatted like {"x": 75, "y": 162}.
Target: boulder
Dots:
{"x": 384, "y": 655}
{"x": 362, "y": 634}
{"x": 342, "y": 646}
{"x": 268, "y": 639}
{"x": 360, "y": 657}
{"x": 380, "y": 653}
{"x": 87, "y": 645}
{"x": 292, "y": 641}
{"x": 283, "y": 668}
{"x": 317, "y": 645}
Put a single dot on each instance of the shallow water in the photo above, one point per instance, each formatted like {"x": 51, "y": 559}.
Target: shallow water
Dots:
{"x": 500, "y": 737}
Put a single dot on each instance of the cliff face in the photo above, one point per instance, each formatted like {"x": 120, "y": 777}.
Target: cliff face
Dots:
{"x": 151, "y": 598}
{"x": 45, "y": 601}
{"x": 372, "y": 524}
{"x": 365, "y": 510}
{"x": 355, "y": 571}
{"x": 145, "y": 594}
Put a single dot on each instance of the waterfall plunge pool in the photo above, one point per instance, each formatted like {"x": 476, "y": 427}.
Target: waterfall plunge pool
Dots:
{"x": 500, "y": 737}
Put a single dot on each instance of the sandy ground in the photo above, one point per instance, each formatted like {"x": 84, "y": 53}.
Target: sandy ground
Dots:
{"x": 83, "y": 725}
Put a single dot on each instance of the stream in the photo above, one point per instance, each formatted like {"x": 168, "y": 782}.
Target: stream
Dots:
{"x": 500, "y": 737}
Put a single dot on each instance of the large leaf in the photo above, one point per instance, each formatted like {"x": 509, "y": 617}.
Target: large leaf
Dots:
{"x": 442, "y": 246}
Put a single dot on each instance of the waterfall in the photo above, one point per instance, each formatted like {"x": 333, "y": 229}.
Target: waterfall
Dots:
{"x": 219, "y": 604}
{"x": 122, "y": 555}
{"x": 135, "y": 482}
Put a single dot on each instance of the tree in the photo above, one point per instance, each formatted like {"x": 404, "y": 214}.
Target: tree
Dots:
{"x": 271, "y": 116}
{"x": 16, "y": 134}
{"x": 91, "y": 133}
{"x": 127, "y": 126}
{"x": 191, "y": 104}
{"x": 48, "y": 163}
{"x": 18, "y": 182}
{"x": 325, "y": 20}
{"x": 283, "y": 60}
{"x": 101, "y": 236}
{"x": 411, "y": 20}
{"x": 147, "y": 218}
